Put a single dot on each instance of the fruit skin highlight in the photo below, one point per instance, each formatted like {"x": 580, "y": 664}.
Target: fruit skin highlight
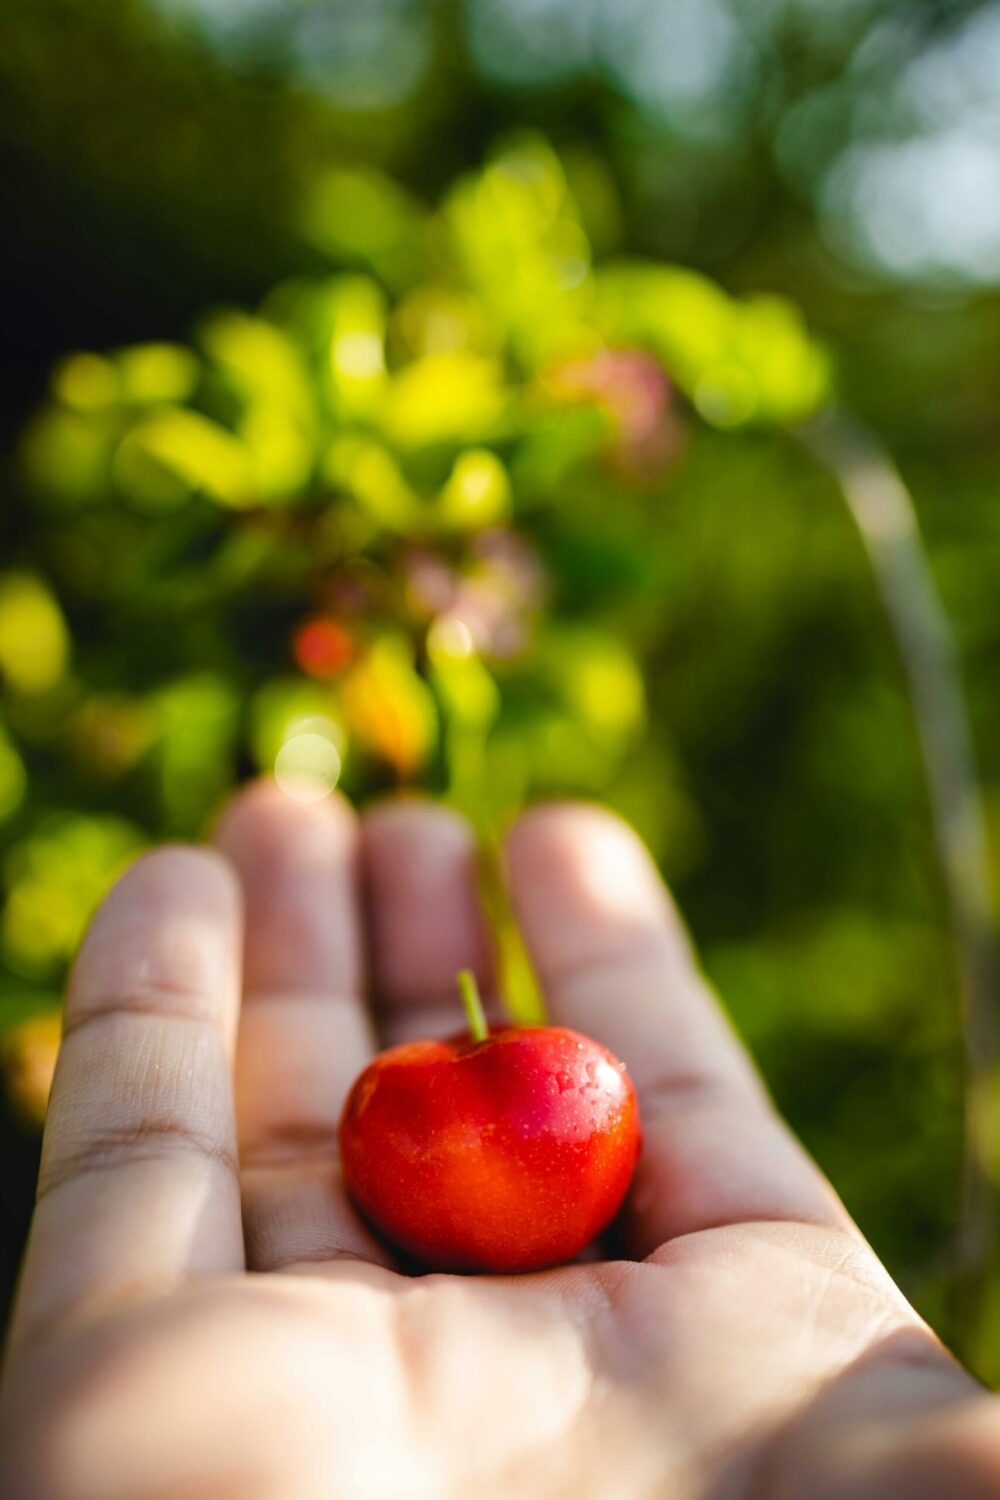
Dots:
{"x": 506, "y": 1153}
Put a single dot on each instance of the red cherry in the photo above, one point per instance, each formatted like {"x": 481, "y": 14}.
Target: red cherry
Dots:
{"x": 322, "y": 647}
{"x": 506, "y": 1151}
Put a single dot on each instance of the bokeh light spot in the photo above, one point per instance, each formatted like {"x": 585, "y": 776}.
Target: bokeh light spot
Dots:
{"x": 307, "y": 767}
{"x": 450, "y": 636}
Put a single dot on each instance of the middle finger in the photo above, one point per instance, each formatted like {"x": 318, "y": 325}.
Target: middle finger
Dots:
{"x": 305, "y": 1032}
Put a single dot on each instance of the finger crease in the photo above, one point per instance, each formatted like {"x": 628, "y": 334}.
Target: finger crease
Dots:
{"x": 150, "y": 1141}
{"x": 267, "y": 994}
{"x": 157, "y": 1002}
{"x": 293, "y": 1144}
{"x": 320, "y": 1255}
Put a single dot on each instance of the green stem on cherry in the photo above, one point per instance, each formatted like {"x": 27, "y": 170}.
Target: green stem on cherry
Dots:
{"x": 469, "y": 991}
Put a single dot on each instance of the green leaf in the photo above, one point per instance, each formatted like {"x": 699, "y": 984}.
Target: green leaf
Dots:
{"x": 738, "y": 361}
{"x": 457, "y": 397}
{"x": 176, "y": 453}
{"x": 34, "y": 640}
{"x": 477, "y": 493}
{"x": 364, "y": 216}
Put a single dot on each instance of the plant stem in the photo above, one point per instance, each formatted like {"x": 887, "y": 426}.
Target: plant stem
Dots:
{"x": 469, "y": 991}
{"x": 520, "y": 992}
{"x": 884, "y": 513}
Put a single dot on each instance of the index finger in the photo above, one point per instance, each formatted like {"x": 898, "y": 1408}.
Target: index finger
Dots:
{"x": 615, "y": 963}
{"x": 138, "y": 1187}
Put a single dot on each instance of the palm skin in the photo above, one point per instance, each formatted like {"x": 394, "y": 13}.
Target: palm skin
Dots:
{"x": 741, "y": 1343}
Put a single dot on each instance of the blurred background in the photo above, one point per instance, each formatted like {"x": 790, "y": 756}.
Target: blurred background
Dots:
{"x": 431, "y": 393}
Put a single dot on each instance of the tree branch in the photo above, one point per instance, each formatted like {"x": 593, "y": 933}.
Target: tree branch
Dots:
{"x": 884, "y": 513}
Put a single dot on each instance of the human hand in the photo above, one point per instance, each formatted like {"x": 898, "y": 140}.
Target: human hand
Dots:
{"x": 743, "y": 1343}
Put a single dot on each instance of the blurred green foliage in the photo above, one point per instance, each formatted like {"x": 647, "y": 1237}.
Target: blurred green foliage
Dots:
{"x": 470, "y": 484}
{"x": 363, "y": 510}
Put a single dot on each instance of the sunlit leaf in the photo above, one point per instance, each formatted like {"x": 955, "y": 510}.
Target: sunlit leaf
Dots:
{"x": 355, "y": 312}
{"x": 389, "y": 708}
{"x": 149, "y": 373}
{"x": 565, "y": 752}
{"x": 177, "y": 453}
{"x": 738, "y": 361}
{"x": 597, "y": 677}
{"x": 519, "y": 241}
{"x": 280, "y": 452}
{"x": 477, "y": 492}
{"x": 54, "y": 879}
{"x": 363, "y": 216}
{"x": 142, "y": 374}
{"x": 260, "y": 359}
{"x": 34, "y": 640}
{"x": 465, "y": 685}
{"x": 87, "y": 382}
{"x": 443, "y": 398}
{"x": 28, "y": 1061}
{"x": 66, "y": 455}
{"x": 196, "y": 720}
{"x": 439, "y": 320}
{"x": 368, "y": 472}
{"x": 792, "y": 371}
{"x": 13, "y": 776}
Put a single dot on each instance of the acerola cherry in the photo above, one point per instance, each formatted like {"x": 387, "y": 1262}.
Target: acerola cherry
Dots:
{"x": 322, "y": 647}
{"x": 507, "y": 1149}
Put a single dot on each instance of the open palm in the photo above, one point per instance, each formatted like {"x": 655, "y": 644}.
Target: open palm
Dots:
{"x": 198, "y": 1322}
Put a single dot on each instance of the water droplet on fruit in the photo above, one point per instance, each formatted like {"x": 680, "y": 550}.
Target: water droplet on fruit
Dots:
{"x": 565, "y": 1082}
